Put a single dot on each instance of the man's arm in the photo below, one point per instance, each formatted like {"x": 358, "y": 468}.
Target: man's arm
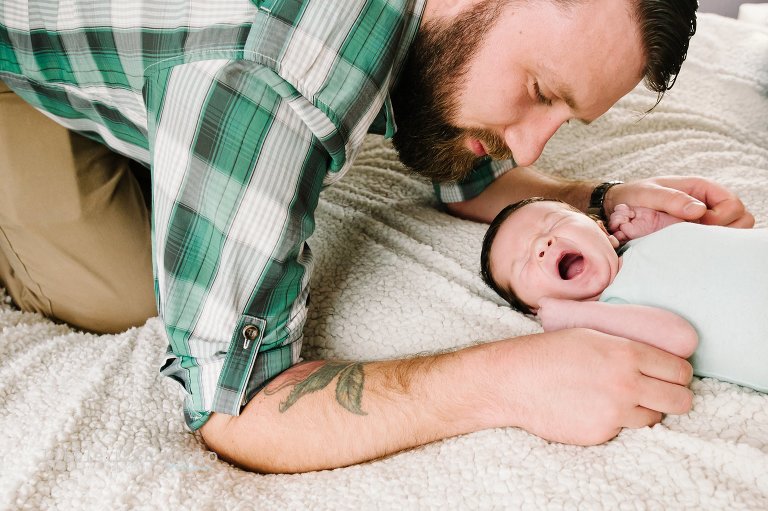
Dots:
{"x": 650, "y": 325}
{"x": 688, "y": 198}
{"x": 236, "y": 178}
{"x": 517, "y": 184}
{"x": 573, "y": 386}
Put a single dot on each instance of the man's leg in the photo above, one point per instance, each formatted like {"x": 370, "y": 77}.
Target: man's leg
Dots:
{"x": 74, "y": 226}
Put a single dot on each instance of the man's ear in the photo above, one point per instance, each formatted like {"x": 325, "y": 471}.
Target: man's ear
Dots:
{"x": 614, "y": 242}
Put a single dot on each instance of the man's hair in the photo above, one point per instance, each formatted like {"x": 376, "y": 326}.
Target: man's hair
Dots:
{"x": 666, "y": 27}
{"x": 485, "y": 255}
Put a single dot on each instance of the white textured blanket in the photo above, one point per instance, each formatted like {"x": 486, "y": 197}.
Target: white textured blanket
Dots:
{"x": 87, "y": 422}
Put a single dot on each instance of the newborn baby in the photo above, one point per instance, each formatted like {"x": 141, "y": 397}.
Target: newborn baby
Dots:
{"x": 547, "y": 258}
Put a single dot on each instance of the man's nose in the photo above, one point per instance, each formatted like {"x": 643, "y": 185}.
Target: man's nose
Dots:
{"x": 527, "y": 142}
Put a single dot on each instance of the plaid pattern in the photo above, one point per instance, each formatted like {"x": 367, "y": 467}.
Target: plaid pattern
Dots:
{"x": 486, "y": 172}
{"x": 244, "y": 110}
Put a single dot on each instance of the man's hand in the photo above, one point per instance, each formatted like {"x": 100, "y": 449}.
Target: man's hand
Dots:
{"x": 575, "y": 386}
{"x": 688, "y": 198}
{"x": 582, "y": 387}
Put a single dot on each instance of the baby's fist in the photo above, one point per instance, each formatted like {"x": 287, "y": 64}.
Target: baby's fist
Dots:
{"x": 554, "y": 314}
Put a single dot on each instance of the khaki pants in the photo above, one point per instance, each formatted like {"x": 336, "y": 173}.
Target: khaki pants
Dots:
{"x": 74, "y": 226}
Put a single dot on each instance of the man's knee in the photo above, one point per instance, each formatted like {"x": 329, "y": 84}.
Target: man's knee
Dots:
{"x": 109, "y": 314}
{"x": 102, "y": 291}
{"x": 74, "y": 226}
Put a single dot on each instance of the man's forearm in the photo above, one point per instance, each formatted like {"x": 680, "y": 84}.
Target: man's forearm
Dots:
{"x": 572, "y": 386}
{"x": 328, "y": 414}
{"x": 688, "y": 198}
{"x": 521, "y": 183}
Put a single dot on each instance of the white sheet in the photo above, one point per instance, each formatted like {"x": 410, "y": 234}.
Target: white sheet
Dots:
{"x": 88, "y": 422}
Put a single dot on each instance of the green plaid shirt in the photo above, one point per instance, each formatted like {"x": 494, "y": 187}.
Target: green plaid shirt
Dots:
{"x": 244, "y": 110}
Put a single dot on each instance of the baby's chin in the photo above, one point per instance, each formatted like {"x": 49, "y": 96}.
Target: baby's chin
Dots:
{"x": 599, "y": 281}
{"x": 590, "y": 294}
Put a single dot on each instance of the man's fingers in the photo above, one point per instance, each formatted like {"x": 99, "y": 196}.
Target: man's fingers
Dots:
{"x": 730, "y": 212}
{"x": 724, "y": 207}
{"x": 641, "y": 417}
{"x": 665, "y": 397}
{"x": 660, "y": 365}
{"x": 745, "y": 222}
{"x": 664, "y": 378}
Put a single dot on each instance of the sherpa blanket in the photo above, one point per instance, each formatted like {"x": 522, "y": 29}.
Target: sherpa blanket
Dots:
{"x": 88, "y": 423}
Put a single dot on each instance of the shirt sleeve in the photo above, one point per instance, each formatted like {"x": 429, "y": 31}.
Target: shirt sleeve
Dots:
{"x": 237, "y": 173}
{"x": 485, "y": 173}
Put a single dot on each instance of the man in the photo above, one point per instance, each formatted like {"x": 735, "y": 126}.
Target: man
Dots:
{"x": 244, "y": 111}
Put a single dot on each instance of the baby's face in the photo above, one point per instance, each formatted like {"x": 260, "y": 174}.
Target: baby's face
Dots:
{"x": 545, "y": 249}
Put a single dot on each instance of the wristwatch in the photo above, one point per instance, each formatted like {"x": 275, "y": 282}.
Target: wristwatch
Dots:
{"x": 596, "y": 200}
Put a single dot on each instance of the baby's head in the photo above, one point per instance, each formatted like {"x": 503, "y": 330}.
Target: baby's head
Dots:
{"x": 540, "y": 248}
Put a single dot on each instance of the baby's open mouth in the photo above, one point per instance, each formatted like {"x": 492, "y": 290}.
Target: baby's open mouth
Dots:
{"x": 570, "y": 265}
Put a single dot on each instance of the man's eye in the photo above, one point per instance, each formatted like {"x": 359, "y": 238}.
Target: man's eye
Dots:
{"x": 541, "y": 98}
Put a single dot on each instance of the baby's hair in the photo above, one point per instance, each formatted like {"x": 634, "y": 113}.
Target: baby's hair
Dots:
{"x": 485, "y": 255}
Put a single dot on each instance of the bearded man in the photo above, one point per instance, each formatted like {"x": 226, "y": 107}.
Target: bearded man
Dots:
{"x": 225, "y": 119}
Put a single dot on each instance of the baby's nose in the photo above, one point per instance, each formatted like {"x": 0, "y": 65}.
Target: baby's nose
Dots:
{"x": 547, "y": 242}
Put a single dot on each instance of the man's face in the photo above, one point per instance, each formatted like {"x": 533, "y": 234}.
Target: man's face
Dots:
{"x": 546, "y": 249}
{"x": 500, "y": 78}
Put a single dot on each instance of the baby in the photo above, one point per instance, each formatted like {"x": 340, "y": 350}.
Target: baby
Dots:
{"x": 669, "y": 278}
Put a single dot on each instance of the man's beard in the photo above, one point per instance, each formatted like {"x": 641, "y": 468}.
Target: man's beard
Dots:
{"x": 426, "y": 96}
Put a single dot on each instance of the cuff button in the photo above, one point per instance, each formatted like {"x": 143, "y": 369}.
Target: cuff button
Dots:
{"x": 250, "y": 333}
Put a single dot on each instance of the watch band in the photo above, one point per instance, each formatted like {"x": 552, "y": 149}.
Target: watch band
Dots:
{"x": 597, "y": 199}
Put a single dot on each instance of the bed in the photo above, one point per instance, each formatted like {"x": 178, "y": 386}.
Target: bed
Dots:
{"x": 87, "y": 421}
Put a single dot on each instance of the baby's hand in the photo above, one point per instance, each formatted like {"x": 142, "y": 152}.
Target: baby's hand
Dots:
{"x": 555, "y": 314}
{"x": 628, "y": 223}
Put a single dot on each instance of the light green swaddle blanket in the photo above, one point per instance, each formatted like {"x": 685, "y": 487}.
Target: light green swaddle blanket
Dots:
{"x": 717, "y": 279}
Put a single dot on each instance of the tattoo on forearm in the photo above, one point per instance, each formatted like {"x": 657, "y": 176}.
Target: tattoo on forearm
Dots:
{"x": 349, "y": 387}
